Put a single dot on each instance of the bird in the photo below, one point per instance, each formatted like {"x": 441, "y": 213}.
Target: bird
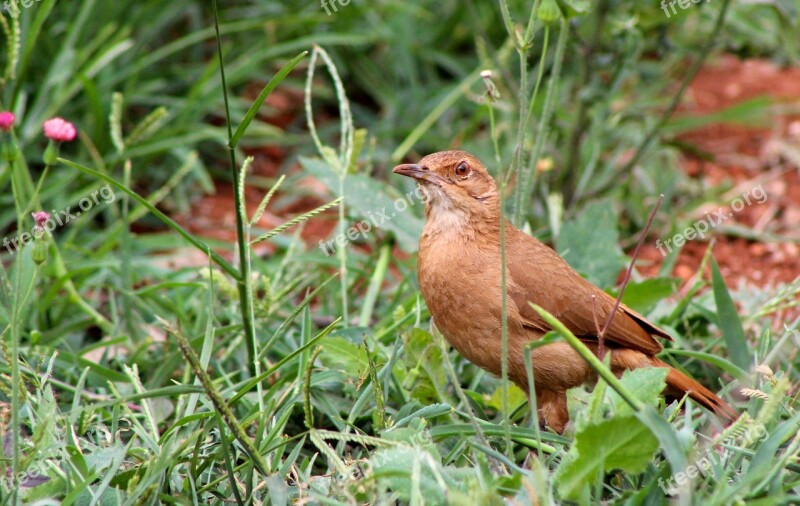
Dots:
{"x": 458, "y": 269}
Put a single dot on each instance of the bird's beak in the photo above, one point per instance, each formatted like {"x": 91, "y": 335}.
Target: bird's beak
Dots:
{"x": 416, "y": 171}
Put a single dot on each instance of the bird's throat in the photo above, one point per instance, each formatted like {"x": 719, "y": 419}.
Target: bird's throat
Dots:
{"x": 445, "y": 221}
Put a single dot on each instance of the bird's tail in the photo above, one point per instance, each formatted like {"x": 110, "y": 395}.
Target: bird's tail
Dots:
{"x": 680, "y": 384}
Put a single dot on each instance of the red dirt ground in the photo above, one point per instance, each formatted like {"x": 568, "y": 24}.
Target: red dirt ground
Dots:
{"x": 745, "y": 157}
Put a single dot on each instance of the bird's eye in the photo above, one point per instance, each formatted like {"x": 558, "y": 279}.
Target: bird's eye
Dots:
{"x": 462, "y": 169}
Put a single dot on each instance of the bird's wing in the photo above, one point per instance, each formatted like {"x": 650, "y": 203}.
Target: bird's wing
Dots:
{"x": 538, "y": 275}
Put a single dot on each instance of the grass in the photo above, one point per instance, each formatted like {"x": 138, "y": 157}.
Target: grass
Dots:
{"x": 300, "y": 377}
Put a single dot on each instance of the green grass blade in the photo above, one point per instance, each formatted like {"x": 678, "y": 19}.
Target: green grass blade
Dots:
{"x": 266, "y": 374}
{"x": 716, "y": 360}
{"x": 251, "y": 113}
{"x": 728, "y": 320}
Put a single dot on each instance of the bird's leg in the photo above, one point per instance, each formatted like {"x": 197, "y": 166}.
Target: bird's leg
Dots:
{"x": 601, "y": 350}
{"x": 553, "y": 409}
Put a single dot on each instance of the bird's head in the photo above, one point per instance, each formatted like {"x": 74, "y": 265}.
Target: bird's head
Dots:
{"x": 456, "y": 186}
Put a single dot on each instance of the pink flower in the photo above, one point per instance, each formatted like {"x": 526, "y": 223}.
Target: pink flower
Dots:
{"x": 40, "y": 217}
{"x": 59, "y": 130}
{"x": 6, "y": 120}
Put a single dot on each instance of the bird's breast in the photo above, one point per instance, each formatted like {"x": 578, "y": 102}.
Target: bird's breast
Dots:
{"x": 461, "y": 287}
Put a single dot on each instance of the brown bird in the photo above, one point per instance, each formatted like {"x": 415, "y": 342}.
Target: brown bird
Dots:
{"x": 459, "y": 274}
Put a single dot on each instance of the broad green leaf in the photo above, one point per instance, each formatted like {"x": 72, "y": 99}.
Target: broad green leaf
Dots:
{"x": 623, "y": 443}
{"x": 416, "y": 434}
{"x": 339, "y": 353}
{"x": 516, "y": 398}
{"x": 278, "y": 490}
{"x": 412, "y": 472}
{"x": 426, "y": 370}
{"x": 393, "y": 469}
{"x": 645, "y": 383}
{"x": 643, "y": 296}
{"x": 376, "y": 204}
{"x": 590, "y": 243}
